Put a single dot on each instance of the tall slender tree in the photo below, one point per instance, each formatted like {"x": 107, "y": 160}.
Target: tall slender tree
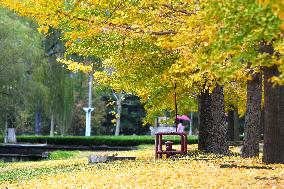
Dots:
{"x": 253, "y": 114}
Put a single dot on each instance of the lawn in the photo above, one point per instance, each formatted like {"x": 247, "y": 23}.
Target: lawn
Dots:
{"x": 197, "y": 170}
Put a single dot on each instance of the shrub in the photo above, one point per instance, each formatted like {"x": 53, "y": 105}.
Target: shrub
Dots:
{"x": 99, "y": 140}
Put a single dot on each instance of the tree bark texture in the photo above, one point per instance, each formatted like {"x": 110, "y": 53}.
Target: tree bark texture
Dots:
{"x": 212, "y": 128}
{"x": 252, "y": 118}
{"x": 119, "y": 107}
{"x": 51, "y": 133}
{"x": 273, "y": 151}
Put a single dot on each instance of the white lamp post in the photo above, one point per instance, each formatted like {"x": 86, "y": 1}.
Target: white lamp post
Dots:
{"x": 89, "y": 109}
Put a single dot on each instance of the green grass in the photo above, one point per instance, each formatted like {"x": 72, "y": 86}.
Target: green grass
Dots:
{"x": 26, "y": 174}
{"x": 61, "y": 154}
{"x": 2, "y": 164}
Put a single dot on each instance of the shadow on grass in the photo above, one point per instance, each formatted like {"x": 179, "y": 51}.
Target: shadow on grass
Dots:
{"x": 267, "y": 178}
{"x": 245, "y": 166}
{"x": 204, "y": 156}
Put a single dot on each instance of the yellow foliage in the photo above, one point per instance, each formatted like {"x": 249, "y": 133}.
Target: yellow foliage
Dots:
{"x": 198, "y": 171}
{"x": 208, "y": 41}
{"x": 277, "y": 6}
{"x": 75, "y": 66}
{"x": 43, "y": 29}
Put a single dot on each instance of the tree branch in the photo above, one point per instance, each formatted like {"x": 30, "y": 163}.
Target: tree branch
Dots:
{"x": 139, "y": 30}
{"x": 51, "y": 53}
{"x": 126, "y": 27}
{"x": 114, "y": 94}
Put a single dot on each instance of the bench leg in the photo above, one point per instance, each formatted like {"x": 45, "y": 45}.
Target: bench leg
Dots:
{"x": 182, "y": 143}
{"x": 160, "y": 148}
{"x": 185, "y": 144}
{"x": 156, "y": 146}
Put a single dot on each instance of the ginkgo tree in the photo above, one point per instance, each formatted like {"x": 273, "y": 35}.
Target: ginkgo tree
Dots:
{"x": 88, "y": 22}
{"x": 250, "y": 38}
{"x": 204, "y": 45}
{"x": 88, "y": 25}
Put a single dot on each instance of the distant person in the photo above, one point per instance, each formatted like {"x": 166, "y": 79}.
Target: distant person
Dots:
{"x": 180, "y": 128}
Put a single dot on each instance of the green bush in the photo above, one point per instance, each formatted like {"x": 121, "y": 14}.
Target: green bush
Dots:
{"x": 99, "y": 140}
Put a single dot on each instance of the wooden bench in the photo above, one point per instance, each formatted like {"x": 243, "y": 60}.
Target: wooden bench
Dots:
{"x": 169, "y": 151}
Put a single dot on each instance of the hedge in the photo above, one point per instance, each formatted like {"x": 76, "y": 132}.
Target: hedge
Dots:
{"x": 99, "y": 140}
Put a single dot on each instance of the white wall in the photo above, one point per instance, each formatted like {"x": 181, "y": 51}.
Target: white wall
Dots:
{"x": 162, "y": 129}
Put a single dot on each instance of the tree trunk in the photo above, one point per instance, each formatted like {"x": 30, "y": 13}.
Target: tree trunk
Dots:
{"x": 11, "y": 135}
{"x": 190, "y": 124}
{"x": 230, "y": 123}
{"x": 273, "y": 151}
{"x": 37, "y": 123}
{"x": 6, "y": 131}
{"x": 236, "y": 125}
{"x": 119, "y": 107}
{"x": 62, "y": 130}
{"x": 252, "y": 118}
{"x": 212, "y": 128}
{"x": 51, "y": 133}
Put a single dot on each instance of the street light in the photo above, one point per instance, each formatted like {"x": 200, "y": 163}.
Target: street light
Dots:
{"x": 89, "y": 109}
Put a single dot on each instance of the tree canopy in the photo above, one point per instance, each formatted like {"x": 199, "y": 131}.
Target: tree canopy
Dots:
{"x": 153, "y": 46}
